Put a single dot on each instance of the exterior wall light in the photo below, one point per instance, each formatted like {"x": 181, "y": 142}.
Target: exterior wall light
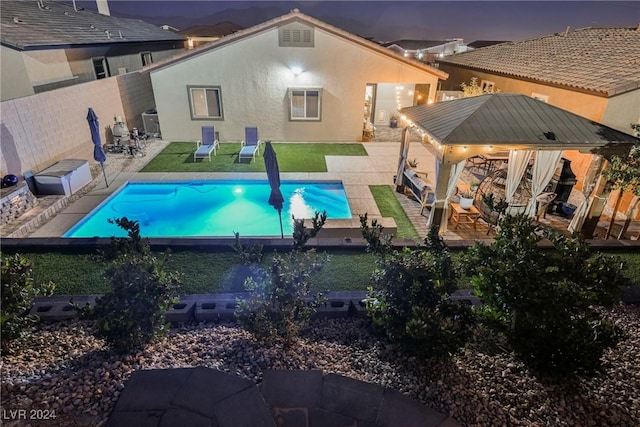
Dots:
{"x": 296, "y": 71}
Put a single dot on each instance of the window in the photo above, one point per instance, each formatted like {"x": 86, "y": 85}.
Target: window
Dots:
{"x": 540, "y": 97}
{"x": 305, "y": 103}
{"x": 487, "y": 86}
{"x": 146, "y": 58}
{"x": 101, "y": 68}
{"x": 205, "y": 102}
{"x": 295, "y": 35}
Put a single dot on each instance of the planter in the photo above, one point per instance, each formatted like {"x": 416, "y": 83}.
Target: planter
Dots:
{"x": 466, "y": 203}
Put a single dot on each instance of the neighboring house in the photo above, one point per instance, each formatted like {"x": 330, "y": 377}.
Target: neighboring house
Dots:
{"x": 427, "y": 50}
{"x": 200, "y": 34}
{"x": 591, "y": 72}
{"x": 483, "y": 43}
{"x": 294, "y": 77}
{"x": 46, "y": 45}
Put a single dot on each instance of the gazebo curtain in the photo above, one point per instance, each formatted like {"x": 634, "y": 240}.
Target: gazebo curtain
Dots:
{"x": 518, "y": 162}
{"x": 456, "y": 171}
{"x": 544, "y": 166}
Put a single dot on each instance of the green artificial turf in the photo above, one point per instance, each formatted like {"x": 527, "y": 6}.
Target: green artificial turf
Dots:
{"x": 390, "y": 207}
{"x": 292, "y": 157}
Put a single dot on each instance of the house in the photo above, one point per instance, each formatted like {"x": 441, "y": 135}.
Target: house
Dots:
{"x": 294, "y": 77}
{"x": 427, "y": 50}
{"x": 200, "y": 34}
{"x": 591, "y": 72}
{"x": 47, "y": 45}
{"x": 478, "y": 44}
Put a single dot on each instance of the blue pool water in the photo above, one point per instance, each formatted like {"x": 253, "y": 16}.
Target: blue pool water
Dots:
{"x": 211, "y": 208}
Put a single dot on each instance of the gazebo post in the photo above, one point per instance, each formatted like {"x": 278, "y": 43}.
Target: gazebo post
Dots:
{"x": 439, "y": 209}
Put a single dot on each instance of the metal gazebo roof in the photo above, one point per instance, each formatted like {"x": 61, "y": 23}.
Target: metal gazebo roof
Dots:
{"x": 512, "y": 119}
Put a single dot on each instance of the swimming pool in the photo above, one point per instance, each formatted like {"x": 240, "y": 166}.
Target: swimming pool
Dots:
{"x": 211, "y": 208}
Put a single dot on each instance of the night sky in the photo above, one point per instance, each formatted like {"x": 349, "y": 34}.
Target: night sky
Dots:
{"x": 393, "y": 20}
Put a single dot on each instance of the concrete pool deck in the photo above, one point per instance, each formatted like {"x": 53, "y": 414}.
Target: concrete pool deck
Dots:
{"x": 356, "y": 172}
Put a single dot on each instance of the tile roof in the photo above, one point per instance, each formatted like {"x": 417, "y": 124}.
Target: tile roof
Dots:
{"x": 484, "y": 43}
{"x": 415, "y": 44}
{"x": 218, "y": 30}
{"x": 604, "y": 60}
{"x": 26, "y": 26}
{"x": 510, "y": 119}
{"x": 295, "y": 16}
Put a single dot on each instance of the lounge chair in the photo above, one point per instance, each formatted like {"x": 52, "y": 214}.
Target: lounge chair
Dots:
{"x": 208, "y": 144}
{"x": 250, "y": 145}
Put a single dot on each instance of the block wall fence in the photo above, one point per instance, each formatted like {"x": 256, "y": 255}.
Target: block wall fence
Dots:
{"x": 39, "y": 130}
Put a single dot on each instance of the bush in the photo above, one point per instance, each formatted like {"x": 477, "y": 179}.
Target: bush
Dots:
{"x": 409, "y": 302}
{"x": 18, "y": 291}
{"x": 280, "y": 301}
{"x": 543, "y": 299}
{"x": 132, "y": 313}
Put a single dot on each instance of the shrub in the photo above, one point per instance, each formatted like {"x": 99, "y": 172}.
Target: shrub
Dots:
{"x": 543, "y": 299}
{"x": 18, "y": 291}
{"x": 409, "y": 302}
{"x": 132, "y": 313}
{"x": 280, "y": 301}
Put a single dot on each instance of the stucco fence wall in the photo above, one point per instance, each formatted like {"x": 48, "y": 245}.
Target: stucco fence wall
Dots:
{"x": 38, "y": 130}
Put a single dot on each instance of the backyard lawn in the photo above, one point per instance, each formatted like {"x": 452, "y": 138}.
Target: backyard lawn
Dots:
{"x": 79, "y": 273}
{"x": 389, "y": 207}
{"x": 292, "y": 157}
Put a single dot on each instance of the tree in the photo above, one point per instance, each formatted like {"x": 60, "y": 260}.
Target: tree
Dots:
{"x": 544, "y": 300}
{"x": 18, "y": 291}
{"x": 623, "y": 173}
{"x": 132, "y": 313}
{"x": 410, "y": 301}
{"x": 473, "y": 89}
{"x": 280, "y": 303}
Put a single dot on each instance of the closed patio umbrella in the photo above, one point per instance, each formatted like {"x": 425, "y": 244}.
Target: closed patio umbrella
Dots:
{"x": 273, "y": 174}
{"x": 98, "y": 152}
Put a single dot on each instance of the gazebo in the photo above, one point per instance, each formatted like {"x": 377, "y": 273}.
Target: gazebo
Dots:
{"x": 527, "y": 128}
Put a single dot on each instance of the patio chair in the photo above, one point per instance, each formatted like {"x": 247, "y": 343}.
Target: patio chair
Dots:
{"x": 250, "y": 145}
{"x": 208, "y": 144}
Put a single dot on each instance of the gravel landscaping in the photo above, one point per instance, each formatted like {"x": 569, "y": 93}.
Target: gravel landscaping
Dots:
{"x": 67, "y": 371}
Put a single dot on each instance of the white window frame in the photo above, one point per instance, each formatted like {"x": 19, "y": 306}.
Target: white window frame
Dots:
{"x": 146, "y": 58}
{"x": 305, "y": 116}
{"x": 194, "y": 89}
{"x": 105, "y": 67}
{"x": 487, "y": 86}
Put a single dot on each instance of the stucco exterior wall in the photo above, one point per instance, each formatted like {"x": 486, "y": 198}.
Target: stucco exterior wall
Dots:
{"x": 254, "y": 76}
{"x": 585, "y": 105}
{"x": 14, "y": 80}
{"x": 45, "y": 66}
{"x": 39, "y": 130}
{"x": 622, "y": 110}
